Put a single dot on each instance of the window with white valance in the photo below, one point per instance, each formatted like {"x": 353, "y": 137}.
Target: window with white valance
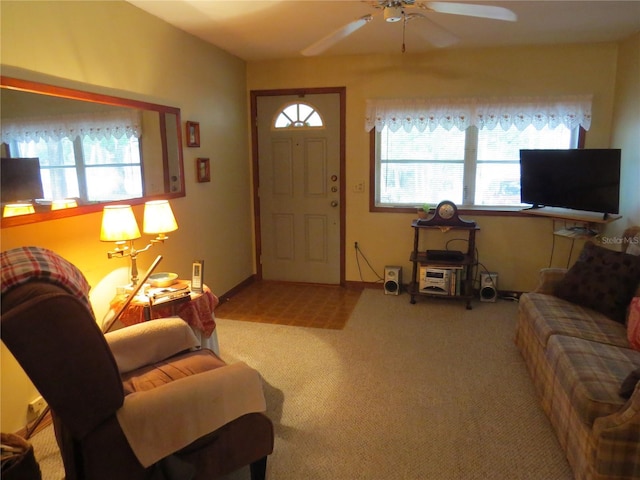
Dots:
{"x": 521, "y": 112}
{"x": 96, "y": 126}
{"x": 421, "y": 158}
{"x": 90, "y": 156}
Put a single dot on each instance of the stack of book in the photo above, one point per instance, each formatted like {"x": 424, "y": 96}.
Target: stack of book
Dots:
{"x": 169, "y": 296}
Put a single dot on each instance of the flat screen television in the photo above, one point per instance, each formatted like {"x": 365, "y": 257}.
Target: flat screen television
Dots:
{"x": 578, "y": 179}
{"x": 20, "y": 179}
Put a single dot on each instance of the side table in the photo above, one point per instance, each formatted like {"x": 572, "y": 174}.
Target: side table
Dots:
{"x": 197, "y": 312}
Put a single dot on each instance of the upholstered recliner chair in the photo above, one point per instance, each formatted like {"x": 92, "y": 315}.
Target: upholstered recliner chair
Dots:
{"x": 188, "y": 416}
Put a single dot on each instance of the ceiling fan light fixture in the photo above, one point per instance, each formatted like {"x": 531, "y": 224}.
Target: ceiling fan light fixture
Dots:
{"x": 393, "y": 14}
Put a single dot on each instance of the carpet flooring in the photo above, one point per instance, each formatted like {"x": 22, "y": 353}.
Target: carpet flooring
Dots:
{"x": 411, "y": 392}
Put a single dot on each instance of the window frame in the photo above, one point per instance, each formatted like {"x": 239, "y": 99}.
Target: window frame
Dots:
{"x": 81, "y": 167}
{"x": 481, "y": 210}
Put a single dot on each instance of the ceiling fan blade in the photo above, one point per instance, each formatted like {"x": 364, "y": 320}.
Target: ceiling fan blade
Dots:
{"x": 333, "y": 38}
{"x": 433, "y": 33}
{"x": 471, "y": 10}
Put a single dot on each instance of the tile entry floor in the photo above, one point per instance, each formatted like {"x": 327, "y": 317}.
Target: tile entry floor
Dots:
{"x": 304, "y": 305}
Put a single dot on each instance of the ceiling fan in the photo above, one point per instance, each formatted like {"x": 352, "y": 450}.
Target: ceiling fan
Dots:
{"x": 400, "y": 10}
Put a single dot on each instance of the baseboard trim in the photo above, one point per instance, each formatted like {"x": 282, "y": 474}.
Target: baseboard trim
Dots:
{"x": 361, "y": 285}
{"x": 225, "y": 297}
{"x": 45, "y": 422}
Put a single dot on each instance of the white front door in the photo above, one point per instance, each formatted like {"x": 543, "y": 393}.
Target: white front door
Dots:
{"x": 300, "y": 189}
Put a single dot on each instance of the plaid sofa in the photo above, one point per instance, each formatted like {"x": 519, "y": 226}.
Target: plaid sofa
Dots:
{"x": 578, "y": 359}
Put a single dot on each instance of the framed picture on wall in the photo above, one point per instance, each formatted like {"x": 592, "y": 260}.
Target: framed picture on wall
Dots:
{"x": 202, "y": 169}
{"x": 193, "y": 134}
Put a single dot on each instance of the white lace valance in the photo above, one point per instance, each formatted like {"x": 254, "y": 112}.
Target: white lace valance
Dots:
{"x": 94, "y": 125}
{"x": 423, "y": 113}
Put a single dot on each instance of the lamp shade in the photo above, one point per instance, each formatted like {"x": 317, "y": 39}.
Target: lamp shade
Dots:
{"x": 15, "y": 209}
{"x": 118, "y": 224}
{"x": 158, "y": 217}
{"x": 64, "y": 203}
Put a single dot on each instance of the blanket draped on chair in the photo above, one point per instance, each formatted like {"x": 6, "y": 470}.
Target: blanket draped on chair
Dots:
{"x": 23, "y": 264}
{"x": 214, "y": 398}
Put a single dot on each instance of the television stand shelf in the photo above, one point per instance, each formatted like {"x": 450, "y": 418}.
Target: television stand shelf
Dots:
{"x": 576, "y": 232}
{"x": 572, "y": 215}
{"x": 590, "y": 223}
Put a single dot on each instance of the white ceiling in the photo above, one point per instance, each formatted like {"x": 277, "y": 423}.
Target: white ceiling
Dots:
{"x": 276, "y": 29}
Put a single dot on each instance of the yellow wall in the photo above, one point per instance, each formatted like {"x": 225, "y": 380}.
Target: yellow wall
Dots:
{"x": 515, "y": 247}
{"x": 117, "y": 47}
{"x": 626, "y": 128}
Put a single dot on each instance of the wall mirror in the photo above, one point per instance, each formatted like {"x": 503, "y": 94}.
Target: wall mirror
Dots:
{"x": 90, "y": 150}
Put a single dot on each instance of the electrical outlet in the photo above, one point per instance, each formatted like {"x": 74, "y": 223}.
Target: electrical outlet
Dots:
{"x": 36, "y": 406}
{"x": 359, "y": 187}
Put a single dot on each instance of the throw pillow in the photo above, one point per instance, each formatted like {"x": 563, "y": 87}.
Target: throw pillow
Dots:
{"x": 629, "y": 384}
{"x": 633, "y": 249}
{"x": 633, "y": 323}
{"x": 603, "y": 280}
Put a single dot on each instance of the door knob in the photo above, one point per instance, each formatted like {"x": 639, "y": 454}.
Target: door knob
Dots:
{"x": 334, "y": 203}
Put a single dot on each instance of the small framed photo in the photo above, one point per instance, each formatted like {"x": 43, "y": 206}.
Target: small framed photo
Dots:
{"x": 202, "y": 169}
{"x": 193, "y": 134}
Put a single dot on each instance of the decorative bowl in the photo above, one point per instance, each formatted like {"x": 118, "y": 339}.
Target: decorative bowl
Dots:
{"x": 163, "y": 279}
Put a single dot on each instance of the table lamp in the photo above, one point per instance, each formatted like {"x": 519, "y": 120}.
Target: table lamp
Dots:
{"x": 159, "y": 219}
{"x": 15, "y": 209}
{"x": 119, "y": 225}
{"x": 64, "y": 203}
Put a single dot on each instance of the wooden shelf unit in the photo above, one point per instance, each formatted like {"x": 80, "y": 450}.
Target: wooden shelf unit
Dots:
{"x": 466, "y": 263}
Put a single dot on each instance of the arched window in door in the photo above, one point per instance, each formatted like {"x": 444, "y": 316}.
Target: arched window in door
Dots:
{"x": 298, "y": 115}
